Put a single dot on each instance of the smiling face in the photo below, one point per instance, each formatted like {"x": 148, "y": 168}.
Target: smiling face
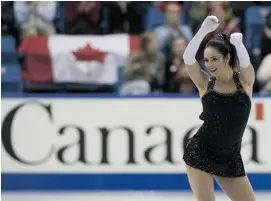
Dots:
{"x": 216, "y": 63}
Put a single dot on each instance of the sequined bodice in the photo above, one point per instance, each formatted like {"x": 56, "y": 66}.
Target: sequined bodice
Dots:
{"x": 225, "y": 116}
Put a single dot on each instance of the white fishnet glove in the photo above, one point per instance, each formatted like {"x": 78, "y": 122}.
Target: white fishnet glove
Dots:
{"x": 236, "y": 39}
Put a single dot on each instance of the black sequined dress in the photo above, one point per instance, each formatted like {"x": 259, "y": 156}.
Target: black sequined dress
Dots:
{"x": 216, "y": 146}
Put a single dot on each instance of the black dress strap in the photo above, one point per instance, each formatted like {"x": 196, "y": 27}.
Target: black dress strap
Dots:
{"x": 211, "y": 83}
{"x": 237, "y": 81}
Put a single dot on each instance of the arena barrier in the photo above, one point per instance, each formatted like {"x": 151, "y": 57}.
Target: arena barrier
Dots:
{"x": 114, "y": 143}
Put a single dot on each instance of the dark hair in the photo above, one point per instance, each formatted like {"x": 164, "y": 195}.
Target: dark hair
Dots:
{"x": 222, "y": 44}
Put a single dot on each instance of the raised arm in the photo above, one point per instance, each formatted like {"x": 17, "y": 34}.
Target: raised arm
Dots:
{"x": 247, "y": 73}
{"x": 194, "y": 70}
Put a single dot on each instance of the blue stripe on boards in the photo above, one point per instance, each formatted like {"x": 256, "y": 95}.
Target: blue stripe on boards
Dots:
{"x": 110, "y": 182}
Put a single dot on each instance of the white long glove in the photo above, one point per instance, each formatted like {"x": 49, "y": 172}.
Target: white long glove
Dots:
{"x": 209, "y": 25}
{"x": 237, "y": 40}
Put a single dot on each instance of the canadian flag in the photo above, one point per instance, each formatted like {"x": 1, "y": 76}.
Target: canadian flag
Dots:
{"x": 76, "y": 59}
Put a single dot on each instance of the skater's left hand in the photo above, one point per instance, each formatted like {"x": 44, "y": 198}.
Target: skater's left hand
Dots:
{"x": 236, "y": 39}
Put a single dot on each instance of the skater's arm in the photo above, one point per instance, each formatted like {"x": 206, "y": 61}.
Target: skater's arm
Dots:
{"x": 247, "y": 73}
{"x": 194, "y": 70}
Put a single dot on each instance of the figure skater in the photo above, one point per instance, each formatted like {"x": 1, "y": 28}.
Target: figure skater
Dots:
{"x": 214, "y": 151}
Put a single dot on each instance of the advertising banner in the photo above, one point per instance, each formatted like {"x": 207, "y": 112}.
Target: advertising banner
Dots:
{"x": 114, "y": 144}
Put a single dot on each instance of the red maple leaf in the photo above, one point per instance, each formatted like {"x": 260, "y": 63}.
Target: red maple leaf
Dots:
{"x": 88, "y": 53}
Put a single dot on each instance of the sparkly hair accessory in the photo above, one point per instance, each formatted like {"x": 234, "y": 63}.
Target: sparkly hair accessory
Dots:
{"x": 220, "y": 37}
{"x": 226, "y": 39}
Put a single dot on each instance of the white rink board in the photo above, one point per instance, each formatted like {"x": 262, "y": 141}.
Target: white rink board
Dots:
{"x": 45, "y": 135}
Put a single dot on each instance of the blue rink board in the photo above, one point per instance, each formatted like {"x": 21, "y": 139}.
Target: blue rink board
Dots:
{"x": 111, "y": 182}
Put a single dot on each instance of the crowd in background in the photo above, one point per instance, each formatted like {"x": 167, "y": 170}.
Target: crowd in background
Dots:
{"x": 157, "y": 67}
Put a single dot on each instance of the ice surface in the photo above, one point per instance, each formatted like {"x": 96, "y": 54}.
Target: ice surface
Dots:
{"x": 117, "y": 196}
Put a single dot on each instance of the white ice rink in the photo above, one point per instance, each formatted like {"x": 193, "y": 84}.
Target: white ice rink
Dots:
{"x": 135, "y": 196}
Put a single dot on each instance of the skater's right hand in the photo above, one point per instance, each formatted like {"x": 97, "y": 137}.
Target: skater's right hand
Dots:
{"x": 209, "y": 24}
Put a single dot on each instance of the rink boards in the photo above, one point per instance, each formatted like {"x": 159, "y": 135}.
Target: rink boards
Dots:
{"x": 113, "y": 143}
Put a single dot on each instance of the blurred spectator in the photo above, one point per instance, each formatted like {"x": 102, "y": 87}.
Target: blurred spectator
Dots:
{"x": 83, "y": 17}
{"x": 147, "y": 65}
{"x": 35, "y": 17}
{"x": 177, "y": 79}
{"x": 262, "y": 46}
{"x": 136, "y": 11}
{"x": 173, "y": 26}
{"x": 263, "y": 3}
{"x": 115, "y": 16}
{"x": 125, "y": 16}
{"x": 238, "y": 9}
{"x": 228, "y": 23}
{"x": 264, "y": 74}
{"x": 7, "y": 18}
{"x": 266, "y": 38}
{"x": 198, "y": 11}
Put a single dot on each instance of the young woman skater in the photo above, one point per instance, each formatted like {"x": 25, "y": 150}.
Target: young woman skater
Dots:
{"x": 214, "y": 151}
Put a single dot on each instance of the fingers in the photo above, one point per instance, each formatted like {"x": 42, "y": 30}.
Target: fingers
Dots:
{"x": 213, "y": 18}
{"x": 236, "y": 35}
{"x": 210, "y": 24}
{"x": 236, "y": 38}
